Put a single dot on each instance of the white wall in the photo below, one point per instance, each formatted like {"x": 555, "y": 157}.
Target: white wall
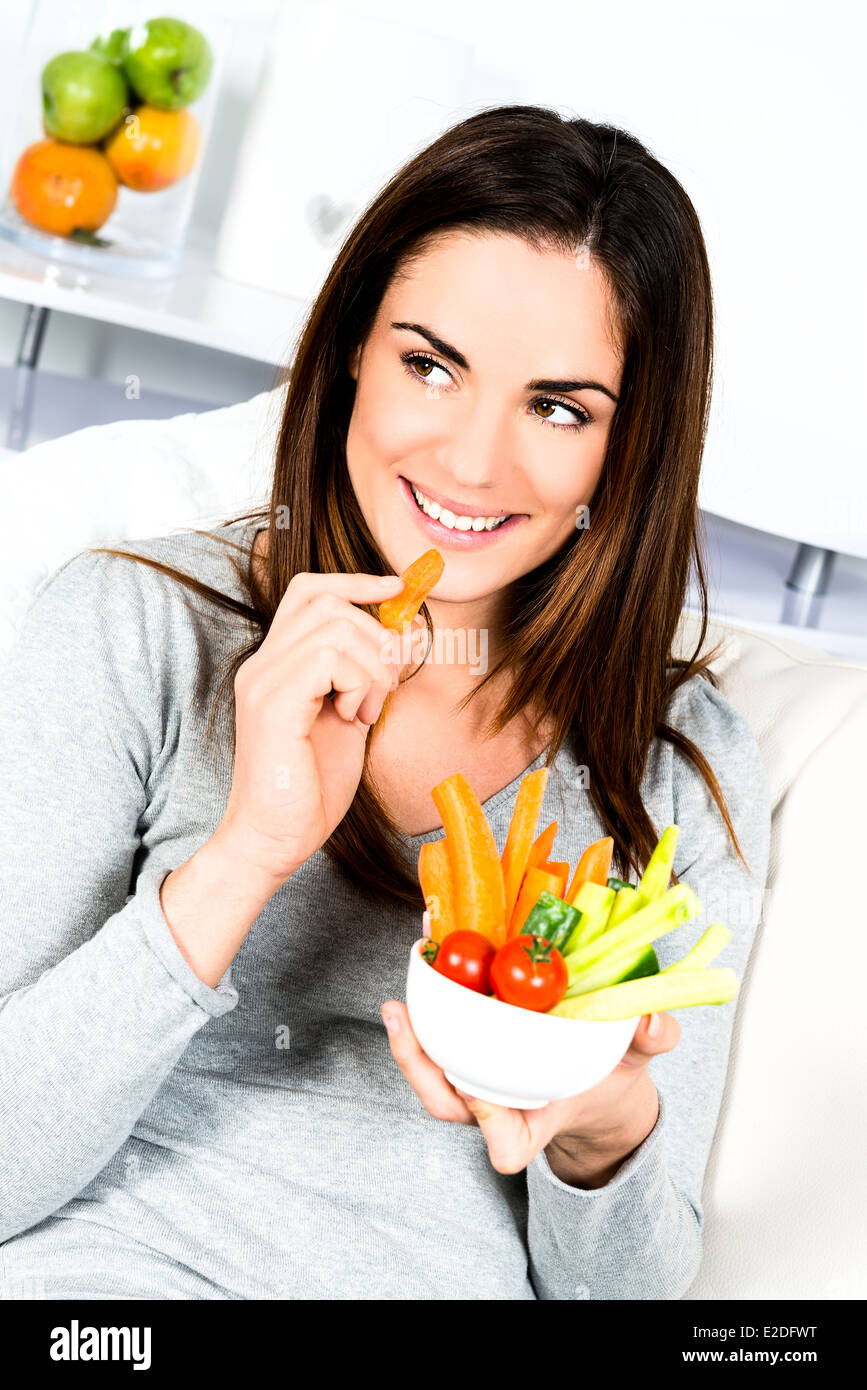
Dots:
{"x": 757, "y": 107}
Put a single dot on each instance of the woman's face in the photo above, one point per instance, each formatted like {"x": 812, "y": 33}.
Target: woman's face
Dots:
{"x": 488, "y": 381}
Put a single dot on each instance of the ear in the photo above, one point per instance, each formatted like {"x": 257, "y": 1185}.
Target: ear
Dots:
{"x": 353, "y": 361}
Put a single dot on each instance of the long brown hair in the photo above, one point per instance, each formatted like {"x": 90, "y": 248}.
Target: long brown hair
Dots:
{"x": 589, "y": 637}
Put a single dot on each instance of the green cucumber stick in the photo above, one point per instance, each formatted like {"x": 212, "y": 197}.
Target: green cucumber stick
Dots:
{"x": 625, "y": 903}
{"x": 682, "y": 990}
{"x": 704, "y": 950}
{"x": 615, "y": 953}
{"x": 657, "y": 875}
{"x": 646, "y": 963}
{"x": 594, "y": 903}
{"x": 677, "y": 904}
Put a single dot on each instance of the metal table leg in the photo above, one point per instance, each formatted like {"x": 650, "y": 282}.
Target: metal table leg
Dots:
{"x": 24, "y": 379}
{"x": 808, "y": 581}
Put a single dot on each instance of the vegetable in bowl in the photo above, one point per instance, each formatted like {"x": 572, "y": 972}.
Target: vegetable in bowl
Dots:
{"x": 601, "y": 931}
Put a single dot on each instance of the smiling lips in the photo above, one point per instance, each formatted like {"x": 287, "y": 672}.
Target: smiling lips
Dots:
{"x": 453, "y": 515}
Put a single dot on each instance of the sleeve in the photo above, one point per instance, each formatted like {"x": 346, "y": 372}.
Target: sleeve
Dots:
{"x": 640, "y": 1236}
{"x": 97, "y": 1003}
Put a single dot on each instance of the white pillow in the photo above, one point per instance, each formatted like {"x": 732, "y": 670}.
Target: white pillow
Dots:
{"x": 132, "y": 479}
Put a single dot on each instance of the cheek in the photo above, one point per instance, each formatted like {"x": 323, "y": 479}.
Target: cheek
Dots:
{"x": 567, "y": 477}
{"x": 392, "y": 421}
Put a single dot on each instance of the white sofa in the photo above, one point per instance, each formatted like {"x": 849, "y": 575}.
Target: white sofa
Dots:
{"x": 785, "y": 1193}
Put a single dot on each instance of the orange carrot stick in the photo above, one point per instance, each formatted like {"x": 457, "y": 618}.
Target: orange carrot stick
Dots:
{"x": 522, "y": 828}
{"x": 435, "y": 877}
{"x": 534, "y": 881}
{"x": 542, "y": 846}
{"x": 594, "y": 866}
{"x": 476, "y": 871}
{"x": 539, "y": 851}
{"x": 560, "y": 870}
{"x": 418, "y": 580}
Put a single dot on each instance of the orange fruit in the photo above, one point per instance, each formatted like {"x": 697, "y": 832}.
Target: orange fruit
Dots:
{"x": 152, "y": 149}
{"x": 62, "y": 188}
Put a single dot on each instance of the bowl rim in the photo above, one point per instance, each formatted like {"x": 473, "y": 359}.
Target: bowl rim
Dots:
{"x": 511, "y": 1009}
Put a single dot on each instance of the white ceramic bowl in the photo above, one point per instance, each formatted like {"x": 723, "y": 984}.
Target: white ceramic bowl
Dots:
{"x": 504, "y": 1054}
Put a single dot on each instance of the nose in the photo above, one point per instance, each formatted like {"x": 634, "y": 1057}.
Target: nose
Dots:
{"x": 478, "y": 450}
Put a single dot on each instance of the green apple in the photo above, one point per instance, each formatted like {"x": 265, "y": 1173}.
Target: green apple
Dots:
{"x": 111, "y": 45}
{"x": 167, "y": 62}
{"x": 83, "y": 96}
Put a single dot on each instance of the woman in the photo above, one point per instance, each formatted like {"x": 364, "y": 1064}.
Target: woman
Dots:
{"x": 206, "y": 902}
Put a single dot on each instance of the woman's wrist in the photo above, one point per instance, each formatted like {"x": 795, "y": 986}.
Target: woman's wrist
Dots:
{"x": 592, "y": 1160}
{"x": 210, "y": 903}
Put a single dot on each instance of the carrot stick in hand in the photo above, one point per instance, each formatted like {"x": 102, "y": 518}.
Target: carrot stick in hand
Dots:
{"x": 418, "y": 580}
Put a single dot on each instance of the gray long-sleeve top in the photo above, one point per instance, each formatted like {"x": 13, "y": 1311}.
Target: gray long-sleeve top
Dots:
{"x": 160, "y": 1138}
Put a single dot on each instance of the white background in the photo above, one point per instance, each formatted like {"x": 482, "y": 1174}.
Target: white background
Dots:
{"x": 757, "y": 108}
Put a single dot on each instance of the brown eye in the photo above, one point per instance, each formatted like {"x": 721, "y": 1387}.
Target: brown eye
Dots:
{"x": 579, "y": 416}
{"x": 419, "y": 366}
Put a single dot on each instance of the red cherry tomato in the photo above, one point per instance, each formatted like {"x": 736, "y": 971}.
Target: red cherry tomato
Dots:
{"x": 465, "y": 957}
{"x": 529, "y": 972}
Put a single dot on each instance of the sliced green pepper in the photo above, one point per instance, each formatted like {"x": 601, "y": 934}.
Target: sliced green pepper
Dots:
{"x": 552, "y": 918}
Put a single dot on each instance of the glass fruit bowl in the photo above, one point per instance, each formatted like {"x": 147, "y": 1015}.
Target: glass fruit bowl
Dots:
{"x": 107, "y": 130}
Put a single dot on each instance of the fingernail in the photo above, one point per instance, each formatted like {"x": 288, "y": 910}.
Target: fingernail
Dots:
{"x": 654, "y": 1027}
{"x": 391, "y": 1021}
{"x": 388, "y": 581}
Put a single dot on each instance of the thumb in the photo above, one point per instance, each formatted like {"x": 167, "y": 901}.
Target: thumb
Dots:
{"x": 646, "y": 1044}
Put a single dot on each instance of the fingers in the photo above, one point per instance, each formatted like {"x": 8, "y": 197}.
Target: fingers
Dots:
{"x": 438, "y": 1097}
{"x": 326, "y": 617}
{"x": 643, "y": 1046}
{"x": 327, "y": 607}
{"x": 352, "y": 588}
{"x": 513, "y": 1137}
{"x": 340, "y": 656}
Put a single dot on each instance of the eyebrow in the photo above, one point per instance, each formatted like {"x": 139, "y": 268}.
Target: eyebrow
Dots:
{"x": 539, "y": 384}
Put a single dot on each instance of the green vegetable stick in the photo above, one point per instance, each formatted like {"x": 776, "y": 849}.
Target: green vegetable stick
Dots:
{"x": 625, "y": 903}
{"x": 676, "y": 905}
{"x": 594, "y": 903}
{"x": 704, "y": 950}
{"x": 646, "y": 962}
{"x": 657, "y": 875}
{"x": 683, "y": 990}
{"x": 613, "y": 954}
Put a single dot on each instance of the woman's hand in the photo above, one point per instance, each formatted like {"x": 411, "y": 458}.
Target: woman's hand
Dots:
{"x": 609, "y": 1115}
{"x": 299, "y": 755}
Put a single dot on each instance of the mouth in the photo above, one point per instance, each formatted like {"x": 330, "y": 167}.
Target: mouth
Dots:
{"x": 452, "y": 527}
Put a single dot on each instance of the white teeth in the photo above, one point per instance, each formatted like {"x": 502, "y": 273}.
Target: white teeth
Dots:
{"x": 452, "y": 522}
